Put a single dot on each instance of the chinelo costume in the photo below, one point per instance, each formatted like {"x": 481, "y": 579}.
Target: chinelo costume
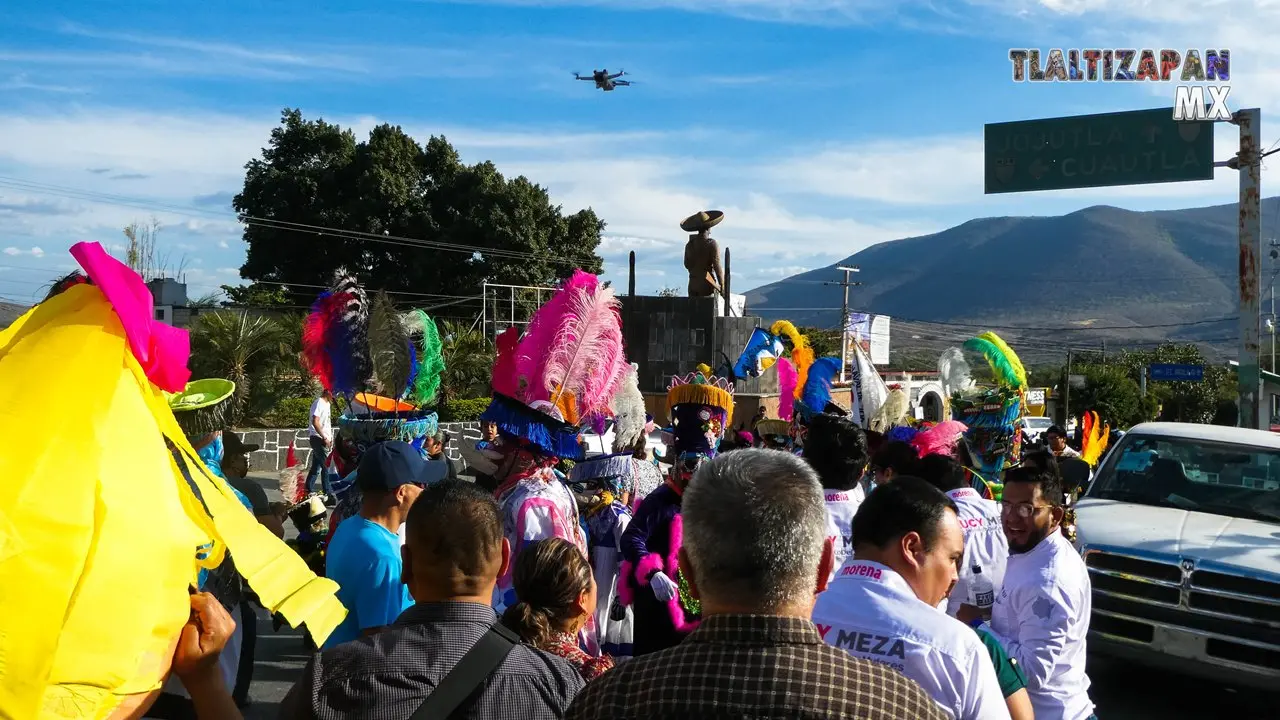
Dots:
{"x": 568, "y": 365}
{"x": 95, "y": 586}
{"x": 609, "y": 484}
{"x": 991, "y": 415}
{"x": 385, "y": 364}
{"x": 700, "y": 407}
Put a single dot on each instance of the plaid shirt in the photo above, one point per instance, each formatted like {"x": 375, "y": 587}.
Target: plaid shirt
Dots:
{"x": 387, "y": 676}
{"x": 753, "y": 667}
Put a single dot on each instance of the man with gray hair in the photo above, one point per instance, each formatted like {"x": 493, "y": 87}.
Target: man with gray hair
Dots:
{"x": 756, "y": 554}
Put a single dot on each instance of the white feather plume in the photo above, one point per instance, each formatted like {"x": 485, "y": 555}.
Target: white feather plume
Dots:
{"x": 628, "y": 412}
{"x": 893, "y": 412}
{"x": 953, "y": 372}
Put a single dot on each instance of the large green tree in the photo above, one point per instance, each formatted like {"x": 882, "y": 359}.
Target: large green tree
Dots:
{"x": 467, "y": 223}
{"x": 1114, "y": 395}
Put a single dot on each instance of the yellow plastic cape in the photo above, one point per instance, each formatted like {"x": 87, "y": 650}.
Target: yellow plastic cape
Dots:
{"x": 103, "y": 503}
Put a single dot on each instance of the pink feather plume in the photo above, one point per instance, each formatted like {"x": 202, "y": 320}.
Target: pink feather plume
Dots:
{"x": 577, "y": 347}
{"x": 787, "y": 380}
{"x": 506, "y": 378}
{"x": 543, "y": 333}
{"x": 940, "y": 439}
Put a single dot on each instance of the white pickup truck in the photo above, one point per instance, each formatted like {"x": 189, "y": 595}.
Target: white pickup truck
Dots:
{"x": 1180, "y": 530}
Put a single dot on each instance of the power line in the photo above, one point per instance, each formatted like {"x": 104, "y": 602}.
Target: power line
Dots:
{"x": 992, "y": 326}
{"x": 282, "y": 225}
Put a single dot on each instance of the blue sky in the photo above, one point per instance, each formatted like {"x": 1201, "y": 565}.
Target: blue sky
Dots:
{"x": 819, "y": 126}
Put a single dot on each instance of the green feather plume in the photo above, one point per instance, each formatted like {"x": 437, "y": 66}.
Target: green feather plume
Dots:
{"x": 389, "y": 347}
{"x": 1004, "y": 362}
{"x": 430, "y": 352}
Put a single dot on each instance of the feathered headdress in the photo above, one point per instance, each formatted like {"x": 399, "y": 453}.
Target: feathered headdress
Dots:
{"x": 335, "y": 338}
{"x": 390, "y": 349}
{"x": 893, "y": 412}
{"x": 700, "y": 388}
{"x": 701, "y": 408}
{"x": 802, "y": 355}
{"x": 787, "y": 383}
{"x": 815, "y": 395}
{"x": 423, "y": 386}
{"x": 569, "y": 364}
{"x": 903, "y": 434}
{"x": 940, "y": 439}
{"x": 761, "y": 353}
{"x": 506, "y": 376}
{"x": 628, "y": 412}
{"x": 953, "y": 372}
{"x": 1004, "y": 362}
{"x": 574, "y": 345}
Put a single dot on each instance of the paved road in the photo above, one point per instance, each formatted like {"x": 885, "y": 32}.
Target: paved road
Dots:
{"x": 1121, "y": 691}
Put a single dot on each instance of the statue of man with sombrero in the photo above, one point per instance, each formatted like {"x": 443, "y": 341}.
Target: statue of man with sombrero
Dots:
{"x": 702, "y": 254}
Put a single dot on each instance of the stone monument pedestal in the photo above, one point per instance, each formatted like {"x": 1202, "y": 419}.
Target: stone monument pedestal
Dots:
{"x": 669, "y": 336}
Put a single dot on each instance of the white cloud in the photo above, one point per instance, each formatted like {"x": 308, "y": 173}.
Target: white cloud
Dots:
{"x": 32, "y": 251}
{"x": 97, "y": 53}
{"x": 795, "y": 11}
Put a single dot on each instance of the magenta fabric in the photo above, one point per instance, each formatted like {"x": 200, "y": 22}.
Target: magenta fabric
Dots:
{"x": 162, "y": 350}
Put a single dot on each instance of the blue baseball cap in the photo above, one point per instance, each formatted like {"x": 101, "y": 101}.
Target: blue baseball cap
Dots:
{"x": 391, "y": 464}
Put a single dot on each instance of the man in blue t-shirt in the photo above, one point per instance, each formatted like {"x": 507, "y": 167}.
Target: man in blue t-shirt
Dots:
{"x": 364, "y": 555}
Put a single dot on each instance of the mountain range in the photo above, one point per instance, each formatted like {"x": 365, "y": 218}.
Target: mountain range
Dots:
{"x": 10, "y": 312}
{"x": 1097, "y": 275}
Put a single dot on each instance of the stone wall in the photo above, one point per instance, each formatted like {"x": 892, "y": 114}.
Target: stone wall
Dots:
{"x": 669, "y": 336}
{"x": 273, "y": 452}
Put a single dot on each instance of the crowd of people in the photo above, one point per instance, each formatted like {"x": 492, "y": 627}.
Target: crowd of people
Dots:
{"x": 785, "y": 629}
{"x": 824, "y": 563}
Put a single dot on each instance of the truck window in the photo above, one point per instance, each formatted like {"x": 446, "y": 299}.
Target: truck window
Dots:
{"x": 1223, "y": 479}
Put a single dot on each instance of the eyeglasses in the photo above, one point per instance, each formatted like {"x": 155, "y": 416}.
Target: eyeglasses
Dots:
{"x": 1022, "y": 510}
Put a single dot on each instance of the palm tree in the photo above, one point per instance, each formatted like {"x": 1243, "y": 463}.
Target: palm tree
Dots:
{"x": 243, "y": 348}
{"x": 468, "y": 361}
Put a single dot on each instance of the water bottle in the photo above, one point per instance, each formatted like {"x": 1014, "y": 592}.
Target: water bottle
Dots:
{"x": 984, "y": 593}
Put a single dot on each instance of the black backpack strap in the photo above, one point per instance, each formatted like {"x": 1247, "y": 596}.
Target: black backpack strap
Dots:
{"x": 469, "y": 674}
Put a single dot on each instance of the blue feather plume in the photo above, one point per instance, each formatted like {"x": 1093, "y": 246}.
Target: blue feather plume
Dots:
{"x": 413, "y": 367}
{"x": 902, "y": 433}
{"x": 817, "y": 387}
{"x": 345, "y": 358}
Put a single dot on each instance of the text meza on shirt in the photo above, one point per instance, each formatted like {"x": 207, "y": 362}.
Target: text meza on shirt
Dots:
{"x": 884, "y": 647}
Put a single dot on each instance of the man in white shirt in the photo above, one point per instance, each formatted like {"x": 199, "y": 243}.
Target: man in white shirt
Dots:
{"x": 1056, "y": 438}
{"x": 1041, "y": 615}
{"x": 907, "y": 543}
{"x": 836, "y": 449}
{"x": 320, "y": 437}
{"x": 985, "y": 544}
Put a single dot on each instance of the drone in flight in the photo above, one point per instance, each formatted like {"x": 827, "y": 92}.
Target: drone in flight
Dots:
{"x": 604, "y": 81}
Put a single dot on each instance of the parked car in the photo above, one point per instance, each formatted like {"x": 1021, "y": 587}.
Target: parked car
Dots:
{"x": 598, "y": 444}
{"x": 1180, "y": 531}
{"x": 1034, "y": 427}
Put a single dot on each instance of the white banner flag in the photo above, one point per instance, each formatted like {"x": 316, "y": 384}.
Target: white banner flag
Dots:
{"x": 869, "y": 389}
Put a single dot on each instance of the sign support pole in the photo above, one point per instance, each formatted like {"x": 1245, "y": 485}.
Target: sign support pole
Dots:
{"x": 844, "y": 316}
{"x": 1249, "y": 164}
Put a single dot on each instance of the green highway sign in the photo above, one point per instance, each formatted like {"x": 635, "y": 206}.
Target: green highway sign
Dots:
{"x": 1126, "y": 148}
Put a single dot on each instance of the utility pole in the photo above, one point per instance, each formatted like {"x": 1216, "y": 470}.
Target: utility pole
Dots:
{"x": 844, "y": 314}
{"x": 1271, "y": 324}
{"x": 1066, "y": 394}
{"x": 1248, "y": 161}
